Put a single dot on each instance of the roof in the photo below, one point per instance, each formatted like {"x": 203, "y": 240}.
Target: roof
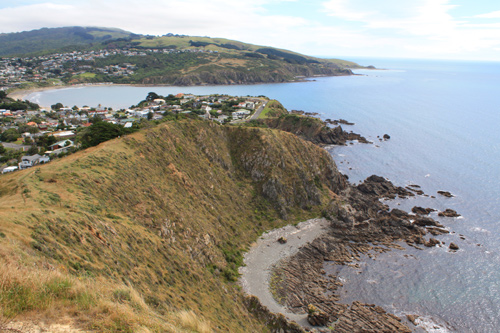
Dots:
{"x": 62, "y": 142}
{"x": 32, "y": 157}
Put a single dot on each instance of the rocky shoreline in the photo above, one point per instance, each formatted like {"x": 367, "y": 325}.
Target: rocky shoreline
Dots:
{"x": 359, "y": 224}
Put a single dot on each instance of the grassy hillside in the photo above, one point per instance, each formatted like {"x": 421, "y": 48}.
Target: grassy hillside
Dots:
{"x": 145, "y": 232}
{"x": 273, "y": 109}
{"x": 47, "y": 39}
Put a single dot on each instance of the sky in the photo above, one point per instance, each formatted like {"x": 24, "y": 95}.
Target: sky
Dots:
{"x": 426, "y": 29}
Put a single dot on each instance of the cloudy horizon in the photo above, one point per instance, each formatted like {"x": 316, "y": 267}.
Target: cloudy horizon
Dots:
{"x": 425, "y": 29}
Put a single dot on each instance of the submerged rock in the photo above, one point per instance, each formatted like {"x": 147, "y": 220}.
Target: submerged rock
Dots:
{"x": 412, "y": 318}
{"x": 432, "y": 242}
{"x": 449, "y": 213}
{"x": 445, "y": 194}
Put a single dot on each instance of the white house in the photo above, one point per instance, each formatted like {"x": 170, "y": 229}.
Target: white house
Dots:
{"x": 240, "y": 114}
{"x": 29, "y": 161}
{"x": 9, "y": 169}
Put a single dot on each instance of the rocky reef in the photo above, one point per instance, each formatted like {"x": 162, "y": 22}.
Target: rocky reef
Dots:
{"x": 360, "y": 225}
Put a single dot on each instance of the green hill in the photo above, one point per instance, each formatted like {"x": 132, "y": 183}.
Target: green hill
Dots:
{"x": 145, "y": 232}
{"x": 56, "y": 39}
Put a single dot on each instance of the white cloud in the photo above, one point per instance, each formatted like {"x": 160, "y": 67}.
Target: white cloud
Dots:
{"x": 344, "y": 10}
{"x": 489, "y": 15}
{"x": 424, "y": 28}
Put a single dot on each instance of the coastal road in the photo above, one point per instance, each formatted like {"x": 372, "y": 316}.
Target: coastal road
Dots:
{"x": 267, "y": 252}
{"x": 259, "y": 110}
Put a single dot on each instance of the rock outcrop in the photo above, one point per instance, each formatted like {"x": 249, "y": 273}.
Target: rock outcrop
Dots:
{"x": 445, "y": 194}
{"x": 422, "y": 211}
{"x": 313, "y": 130}
{"x": 360, "y": 224}
{"x": 448, "y": 213}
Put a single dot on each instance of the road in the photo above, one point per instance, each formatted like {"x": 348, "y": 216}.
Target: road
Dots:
{"x": 259, "y": 110}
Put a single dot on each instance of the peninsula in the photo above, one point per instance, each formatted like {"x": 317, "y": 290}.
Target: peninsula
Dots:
{"x": 147, "y": 231}
{"x": 74, "y": 55}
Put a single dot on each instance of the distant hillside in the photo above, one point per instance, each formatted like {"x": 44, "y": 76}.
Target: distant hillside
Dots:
{"x": 127, "y": 58}
{"x": 145, "y": 233}
{"x": 51, "y": 39}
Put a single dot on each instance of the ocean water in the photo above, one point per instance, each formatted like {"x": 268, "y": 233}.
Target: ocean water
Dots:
{"x": 444, "y": 119}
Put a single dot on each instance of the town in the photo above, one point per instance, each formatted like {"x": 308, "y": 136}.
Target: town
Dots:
{"x": 37, "y": 135}
{"x": 61, "y": 68}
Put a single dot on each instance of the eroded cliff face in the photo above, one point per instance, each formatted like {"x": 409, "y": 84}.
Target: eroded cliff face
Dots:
{"x": 155, "y": 223}
{"x": 313, "y": 130}
{"x": 290, "y": 174}
{"x": 220, "y": 75}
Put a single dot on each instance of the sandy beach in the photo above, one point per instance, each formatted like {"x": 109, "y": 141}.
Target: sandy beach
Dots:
{"x": 23, "y": 93}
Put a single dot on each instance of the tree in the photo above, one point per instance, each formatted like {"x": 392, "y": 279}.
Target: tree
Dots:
{"x": 152, "y": 96}
{"x": 56, "y": 106}
{"x": 99, "y": 132}
{"x": 3, "y": 94}
{"x": 150, "y": 115}
{"x": 46, "y": 140}
{"x": 33, "y": 150}
{"x": 2, "y": 149}
{"x": 29, "y": 129}
{"x": 10, "y": 135}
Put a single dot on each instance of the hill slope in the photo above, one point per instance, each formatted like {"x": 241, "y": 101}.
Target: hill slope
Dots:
{"x": 51, "y": 39}
{"x": 146, "y": 231}
{"x": 111, "y": 55}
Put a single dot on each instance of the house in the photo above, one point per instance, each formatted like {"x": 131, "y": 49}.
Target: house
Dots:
{"x": 9, "y": 169}
{"x": 63, "y": 135}
{"x": 221, "y": 118}
{"x": 240, "y": 114}
{"x": 29, "y": 161}
{"x": 61, "y": 144}
{"x": 60, "y": 147}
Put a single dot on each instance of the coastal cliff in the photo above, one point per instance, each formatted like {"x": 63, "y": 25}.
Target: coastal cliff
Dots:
{"x": 313, "y": 129}
{"x": 146, "y": 232}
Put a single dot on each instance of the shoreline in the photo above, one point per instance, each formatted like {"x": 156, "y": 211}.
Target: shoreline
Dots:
{"x": 267, "y": 252}
{"x": 23, "y": 93}
{"x": 294, "y": 273}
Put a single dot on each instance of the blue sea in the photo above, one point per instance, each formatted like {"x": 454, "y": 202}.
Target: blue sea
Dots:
{"x": 443, "y": 118}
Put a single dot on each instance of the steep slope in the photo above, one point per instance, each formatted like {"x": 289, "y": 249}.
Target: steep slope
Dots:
{"x": 145, "y": 232}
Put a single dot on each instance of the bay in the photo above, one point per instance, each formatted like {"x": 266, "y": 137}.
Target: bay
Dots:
{"x": 443, "y": 118}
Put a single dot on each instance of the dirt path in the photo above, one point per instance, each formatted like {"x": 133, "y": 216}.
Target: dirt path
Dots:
{"x": 267, "y": 252}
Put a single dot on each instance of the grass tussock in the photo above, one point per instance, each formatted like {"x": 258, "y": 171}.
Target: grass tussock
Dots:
{"x": 190, "y": 321}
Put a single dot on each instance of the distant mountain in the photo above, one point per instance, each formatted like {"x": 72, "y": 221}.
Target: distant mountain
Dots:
{"x": 123, "y": 57}
{"x": 46, "y": 39}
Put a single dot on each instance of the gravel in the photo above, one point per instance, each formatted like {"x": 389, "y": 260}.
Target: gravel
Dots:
{"x": 267, "y": 252}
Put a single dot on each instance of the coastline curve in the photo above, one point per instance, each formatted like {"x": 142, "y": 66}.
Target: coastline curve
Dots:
{"x": 267, "y": 252}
